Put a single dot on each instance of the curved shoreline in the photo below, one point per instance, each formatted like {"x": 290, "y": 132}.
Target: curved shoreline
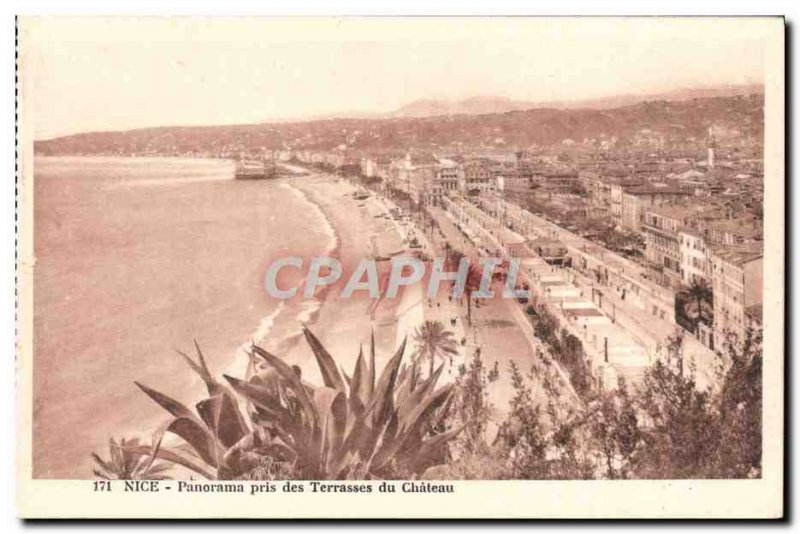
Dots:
{"x": 309, "y": 309}
{"x": 342, "y": 323}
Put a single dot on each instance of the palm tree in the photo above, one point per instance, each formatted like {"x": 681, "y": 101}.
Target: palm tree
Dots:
{"x": 453, "y": 256}
{"x": 699, "y": 292}
{"x": 433, "y": 341}
{"x": 473, "y": 283}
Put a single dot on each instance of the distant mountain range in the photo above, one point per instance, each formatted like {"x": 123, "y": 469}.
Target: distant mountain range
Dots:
{"x": 445, "y": 126}
{"x": 482, "y": 105}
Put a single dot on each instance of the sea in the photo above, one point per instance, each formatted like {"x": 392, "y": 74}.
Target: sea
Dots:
{"x": 136, "y": 259}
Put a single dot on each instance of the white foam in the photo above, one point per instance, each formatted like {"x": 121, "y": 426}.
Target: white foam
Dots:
{"x": 267, "y": 323}
{"x": 240, "y": 358}
{"x": 308, "y": 308}
{"x": 328, "y": 227}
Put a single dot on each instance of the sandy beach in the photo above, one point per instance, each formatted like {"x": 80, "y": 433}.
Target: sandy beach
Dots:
{"x": 344, "y": 324}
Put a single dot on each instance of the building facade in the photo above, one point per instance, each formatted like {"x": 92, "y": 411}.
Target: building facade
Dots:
{"x": 637, "y": 199}
{"x": 662, "y": 243}
{"x": 478, "y": 177}
{"x": 737, "y": 283}
{"x": 695, "y": 260}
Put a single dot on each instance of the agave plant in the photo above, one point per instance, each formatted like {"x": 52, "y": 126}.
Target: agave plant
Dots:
{"x": 351, "y": 427}
{"x": 217, "y": 442}
{"x": 127, "y": 463}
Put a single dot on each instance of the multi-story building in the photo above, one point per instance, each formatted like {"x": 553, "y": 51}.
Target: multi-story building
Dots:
{"x": 449, "y": 175}
{"x": 633, "y": 208}
{"x": 477, "y": 176}
{"x": 517, "y": 174}
{"x": 369, "y": 167}
{"x": 559, "y": 181}
{"x": 737, "y": 283}
{"x": 694, "y": 251}
{"x": 503, "y": 174}
{"x": 382, "y": 166}
{"x": 637, "y": 199}
{"x": 447, "y": 181}
{"x": 414, "y": 175}
{"x": 616, "y": 190}
{"x": 733, "y": 231}
{"x": 599, "y": 183}
{"x": 661, "y": 226}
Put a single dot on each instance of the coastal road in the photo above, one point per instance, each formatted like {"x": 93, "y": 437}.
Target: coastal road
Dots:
{"x": 504, "y": 334}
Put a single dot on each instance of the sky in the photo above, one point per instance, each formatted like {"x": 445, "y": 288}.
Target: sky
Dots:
{"x": 90, "y": 74}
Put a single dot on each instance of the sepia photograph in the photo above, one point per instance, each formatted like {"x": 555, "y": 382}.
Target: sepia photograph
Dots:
{"x": 395, "y": 255}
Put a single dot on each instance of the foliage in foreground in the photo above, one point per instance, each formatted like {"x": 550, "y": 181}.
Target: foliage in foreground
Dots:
{"x": 401, "y": 426}
{"x": 352, "y": 427}
{"x": 663, "y": 428}
{"x": 125, "y": 463}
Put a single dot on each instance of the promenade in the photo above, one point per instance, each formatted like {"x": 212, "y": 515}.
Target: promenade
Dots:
{"x": 504, "y": 334}
{"x": 623, "y": 318}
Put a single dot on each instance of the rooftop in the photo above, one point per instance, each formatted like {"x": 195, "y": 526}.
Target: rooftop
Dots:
{"x": 657, "y": 188}
{"x": 677, "y": 211}
{"x": 746, "y": 228}
{"x": 739, "y": 254}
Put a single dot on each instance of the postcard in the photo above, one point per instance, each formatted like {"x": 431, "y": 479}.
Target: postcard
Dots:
{"x": 424, "y": 267}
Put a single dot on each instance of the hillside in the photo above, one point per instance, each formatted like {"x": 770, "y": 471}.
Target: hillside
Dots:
{"x": 482, "y": 105}
{"x": 740, "y": 116}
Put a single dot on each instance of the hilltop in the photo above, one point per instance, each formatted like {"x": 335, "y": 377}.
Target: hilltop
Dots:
{"x": 740, "y": 116}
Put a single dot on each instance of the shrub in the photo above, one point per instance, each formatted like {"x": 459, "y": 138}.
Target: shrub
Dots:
{"x": 352, "y": 427}
{"x": 573, "y": 358}
{"x": 125, "y": 463}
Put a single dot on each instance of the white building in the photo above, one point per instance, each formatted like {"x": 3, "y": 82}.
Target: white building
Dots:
{"x": 695, "y": 264}
{"x": 737, "y": 282}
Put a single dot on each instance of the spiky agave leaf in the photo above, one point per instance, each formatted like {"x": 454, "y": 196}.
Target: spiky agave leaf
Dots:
{"x": 421, "y": 416}
{"x": 221, "y": 415}
{"x": 327, "y": 366}
{"x": 358, "y": 393}
{"x": 182, "y": 456}
{"x": 201, "y": 368}
{"x": 383, "y": 449}
{"x": 411, "y": 428}
{"x": 296, "y": 431}
{"x": 383, "y": 397}
{"x": 186, "y": 425}
{"x": 361, "y": 379}
{"x": 370, "y": 380}
{"x": 419, "y": 393}
{"x": 334, "y": 419}
{"x": 349, "y": 427}
{"x": 408, "y": 380}
{"x": 265, "y": 398}
{"x": 128, "y": 461}
{"x": 291, "y": 380}
{"x": 425, "y": 455}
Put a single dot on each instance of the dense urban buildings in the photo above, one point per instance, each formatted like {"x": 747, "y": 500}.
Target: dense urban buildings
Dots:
{"x": 623, "y": 244}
